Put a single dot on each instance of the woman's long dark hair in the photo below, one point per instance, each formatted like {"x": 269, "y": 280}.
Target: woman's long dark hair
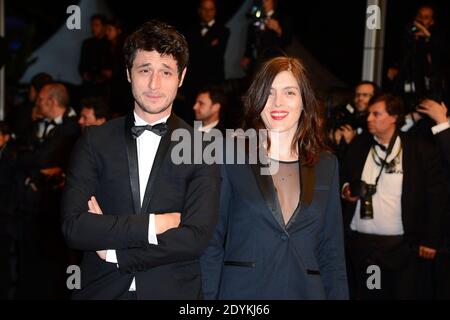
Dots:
{"x": 309, "y": 133}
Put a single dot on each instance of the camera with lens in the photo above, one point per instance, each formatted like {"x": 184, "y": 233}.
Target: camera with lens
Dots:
{"x": 365, "y": 192}
{"x": 256, "y": 15}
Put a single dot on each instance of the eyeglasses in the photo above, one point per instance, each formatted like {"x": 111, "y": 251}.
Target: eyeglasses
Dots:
{"x": 363, "y": 94}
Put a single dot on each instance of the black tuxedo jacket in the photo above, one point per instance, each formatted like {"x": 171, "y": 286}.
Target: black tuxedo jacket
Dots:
{"x": 55, "y": 148}
{"x": 104, "y": 164}
{"x": 207, "y": 54}
{"x": 423, "y": 198}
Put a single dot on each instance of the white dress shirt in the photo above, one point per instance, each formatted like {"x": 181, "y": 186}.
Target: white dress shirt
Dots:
{"x": 147, "y": 145}
{"x": 386, "y": 201}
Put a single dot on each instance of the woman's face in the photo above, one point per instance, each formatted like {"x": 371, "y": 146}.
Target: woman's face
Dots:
{"x": 284, "y": 105}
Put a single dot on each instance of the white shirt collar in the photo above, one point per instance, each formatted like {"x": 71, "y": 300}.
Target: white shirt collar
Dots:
{"x": 138, "y": 121}
{"x": 208, "y": 127}
{"x": 211, "y": 23}
{"x": 58, "y": 120}
{"x": 270, "y": 13}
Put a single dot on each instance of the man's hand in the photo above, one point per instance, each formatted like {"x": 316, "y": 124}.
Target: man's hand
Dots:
{"x": 215, "y": 42}
{"x": 95, "y": 209}
{"x": 346, "y": 193}
{"x": 166, "y": 221}
{"x": 274, "y": 25}
{"x": 427, "y": 253}
{"x": 51, "y": 172}
{"x": 436, "y": 111}
{"x": 348, "y": 133}
{"x": 337, "y": 136}
{"x": 244, "y": 63}
{"x": 423, "y": 30}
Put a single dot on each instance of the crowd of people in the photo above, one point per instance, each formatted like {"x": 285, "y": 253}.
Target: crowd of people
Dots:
{"x": 142, "y": 227}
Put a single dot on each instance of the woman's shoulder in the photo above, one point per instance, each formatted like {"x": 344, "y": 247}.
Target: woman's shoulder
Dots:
{"x": 327, "y": 158}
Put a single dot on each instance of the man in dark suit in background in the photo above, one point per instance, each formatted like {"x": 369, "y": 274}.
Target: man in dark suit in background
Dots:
{"x": 124, "y": 193}
{"x": 40, "y": 178}
{"x": 207, "y": 41}
{"x": 208, "y": 108}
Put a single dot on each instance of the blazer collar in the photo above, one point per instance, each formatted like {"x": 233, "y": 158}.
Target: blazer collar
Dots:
{"x": 267, "y": 188}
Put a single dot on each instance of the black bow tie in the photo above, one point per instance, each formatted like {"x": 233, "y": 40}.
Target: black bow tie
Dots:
{"x": 160, "y": 129}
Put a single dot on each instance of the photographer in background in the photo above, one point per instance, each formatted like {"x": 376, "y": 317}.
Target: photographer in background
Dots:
{"x": 420, "y": 71}
{"x": 432, "y": 123}
{"x": 394, "y": 194}
{"x": 268, "y": 34}
{"x": 350, "y": 120}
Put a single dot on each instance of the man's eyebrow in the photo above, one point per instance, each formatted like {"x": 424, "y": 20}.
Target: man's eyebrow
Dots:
{"x": 167, "y": 66}
{"x": 144, "y": 65}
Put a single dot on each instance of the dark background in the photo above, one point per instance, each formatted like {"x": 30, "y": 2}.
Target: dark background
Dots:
{"x": 333, "y": 31}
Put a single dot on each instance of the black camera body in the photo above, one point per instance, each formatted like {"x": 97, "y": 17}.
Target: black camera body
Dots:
{"x": 256, "y": 16}
{"x": 365, "y": 192}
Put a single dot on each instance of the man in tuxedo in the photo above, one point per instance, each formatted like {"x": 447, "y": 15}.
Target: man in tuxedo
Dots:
{"x": 395, "y": 220}
{"x": 141, "y": 220}
{"x": 40, "y": 177}
{"x": 207, "y": 44}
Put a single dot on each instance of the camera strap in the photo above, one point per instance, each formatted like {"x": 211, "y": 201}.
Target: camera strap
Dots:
{"x": 388, "y": 152}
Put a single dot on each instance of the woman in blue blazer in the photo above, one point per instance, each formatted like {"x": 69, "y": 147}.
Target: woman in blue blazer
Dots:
{"x": 280, "y": 235}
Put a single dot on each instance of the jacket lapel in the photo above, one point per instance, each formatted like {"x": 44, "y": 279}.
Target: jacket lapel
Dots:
{"x": 267, "y": 188}
{"x": 133, "y": 167}
{"x": 307, "y": 182}
{"x": 163, "y": 147}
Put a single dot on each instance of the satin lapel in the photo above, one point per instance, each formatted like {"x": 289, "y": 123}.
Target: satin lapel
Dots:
{"x": 265, "y": 184}
{"x": 133, "y": 167}
{"x": 307, "y": 182}
{"x": 163, "y": 147}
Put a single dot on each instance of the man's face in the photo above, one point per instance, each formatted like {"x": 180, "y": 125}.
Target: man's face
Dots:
{"x": 204, "y": 108}
{"x": 98, "y": 28}
{"x": 268, "y": 5}
{"x": 154, "y": 82}
{"x": 87, "y": 118}
{"x": 363, "y": 93}
{"x": 284, "y": 105}
{"x": 379, "y": 122}
{"x": 44, "y": 102}
{"x": 207, "y": 10}
{"x": 111, "y": 32}
{"x": 425, "y": 17}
